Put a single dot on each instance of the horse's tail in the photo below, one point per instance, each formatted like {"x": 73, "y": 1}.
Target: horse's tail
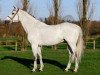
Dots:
{"x": 80, "y": 46}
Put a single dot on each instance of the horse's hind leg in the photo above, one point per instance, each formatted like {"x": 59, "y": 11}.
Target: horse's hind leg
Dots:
{"x": 76, "y": 63}
{"x": 69, "y": 63}
{"x": 40, "y": 56}
{"x": 74, "y": 56}
{"x": 72, "y": 50}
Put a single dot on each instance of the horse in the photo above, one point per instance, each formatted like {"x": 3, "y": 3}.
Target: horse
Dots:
{"x": 40, "y": 34}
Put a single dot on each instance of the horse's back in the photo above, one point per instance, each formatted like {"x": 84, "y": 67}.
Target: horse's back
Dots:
{"x": 70, "y": 26}
{"x": 70, "y": 31}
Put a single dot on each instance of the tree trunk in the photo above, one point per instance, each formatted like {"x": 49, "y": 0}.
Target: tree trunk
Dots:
{"x": 24, "y": 40}
{"x": 55, "y": 17}
{"x": 56, "y": 11}
{"x": 84, "y": 21}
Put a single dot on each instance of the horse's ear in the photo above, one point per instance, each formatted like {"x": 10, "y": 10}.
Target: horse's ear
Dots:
{"x": 14, "y": 7}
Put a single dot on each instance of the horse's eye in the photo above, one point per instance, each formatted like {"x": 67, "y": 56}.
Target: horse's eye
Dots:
{"x": 12, "y": 13}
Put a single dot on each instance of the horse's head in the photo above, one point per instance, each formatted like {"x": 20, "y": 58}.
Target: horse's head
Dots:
{"x": 13, "y": 14}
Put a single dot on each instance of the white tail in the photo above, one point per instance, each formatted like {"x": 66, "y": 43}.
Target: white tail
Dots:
{"x": 80, "y": 46}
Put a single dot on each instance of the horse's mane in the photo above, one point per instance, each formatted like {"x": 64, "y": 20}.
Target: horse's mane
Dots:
{"x": 28, "y": 15}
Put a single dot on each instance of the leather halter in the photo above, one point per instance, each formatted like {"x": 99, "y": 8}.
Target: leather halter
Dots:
{"x": 14, "y": 15}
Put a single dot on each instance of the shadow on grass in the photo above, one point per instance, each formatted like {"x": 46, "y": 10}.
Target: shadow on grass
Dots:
{"x": 29, "y": 62}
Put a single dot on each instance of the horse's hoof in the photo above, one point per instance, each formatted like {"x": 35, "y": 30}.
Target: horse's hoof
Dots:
{"x": 74, "y": 71}
{"x": 66, "y": 70}
{"x": 40, "y": 70}
{"x": 32, "y": 70}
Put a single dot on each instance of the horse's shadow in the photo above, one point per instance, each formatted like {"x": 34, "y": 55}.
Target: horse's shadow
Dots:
{"x": 29, "y": 62}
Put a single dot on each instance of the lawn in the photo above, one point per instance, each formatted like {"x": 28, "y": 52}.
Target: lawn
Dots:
{"x": 21, "y": 62}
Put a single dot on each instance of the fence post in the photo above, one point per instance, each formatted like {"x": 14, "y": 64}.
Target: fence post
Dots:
{"x": 94, "y": 44}
{"x": 16, "y": 46}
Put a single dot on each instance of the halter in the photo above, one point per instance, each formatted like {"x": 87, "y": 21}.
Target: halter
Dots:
{"x": 14, "y": 15}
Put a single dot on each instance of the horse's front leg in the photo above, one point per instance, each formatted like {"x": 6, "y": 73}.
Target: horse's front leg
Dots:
{"x": 40, "y": 56}
{"x": 34, "y": 50}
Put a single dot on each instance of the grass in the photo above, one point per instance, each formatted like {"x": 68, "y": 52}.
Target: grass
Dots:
{"x": 21, "y": 62}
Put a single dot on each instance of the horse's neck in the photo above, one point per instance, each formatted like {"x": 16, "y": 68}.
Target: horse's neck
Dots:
{"x": 27, "y": 21}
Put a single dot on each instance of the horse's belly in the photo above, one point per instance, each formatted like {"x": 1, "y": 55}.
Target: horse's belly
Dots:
{"x": 51, "y": 40}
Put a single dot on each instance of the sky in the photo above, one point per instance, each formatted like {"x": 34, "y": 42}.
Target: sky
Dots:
{"x": 41, "y": 8}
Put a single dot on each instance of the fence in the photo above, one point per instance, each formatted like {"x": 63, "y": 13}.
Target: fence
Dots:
{"x": 92, "y": 41}
{"x": 89, "y": 41}
{"x": 11, "y": 42}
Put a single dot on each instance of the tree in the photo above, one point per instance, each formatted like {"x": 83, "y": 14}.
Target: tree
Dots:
{"x": 25, "y": 5}
{"x": 0, "y": 9}
{"x": 54, "y": 10}
{"x": 32, "y": 10}
{"x": 85, "y": 12}
{"x": 24, "y": 40}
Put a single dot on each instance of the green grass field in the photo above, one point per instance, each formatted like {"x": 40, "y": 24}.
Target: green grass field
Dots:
{"x": 21, "y": 62}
